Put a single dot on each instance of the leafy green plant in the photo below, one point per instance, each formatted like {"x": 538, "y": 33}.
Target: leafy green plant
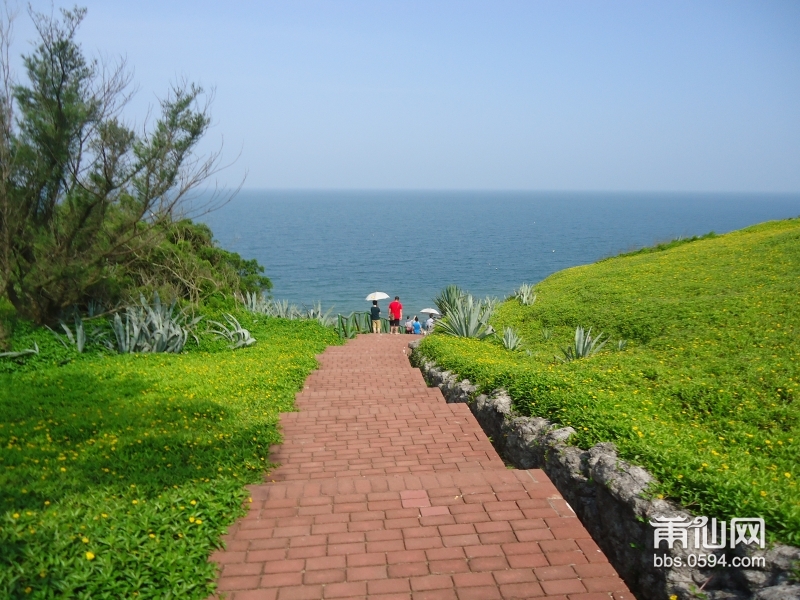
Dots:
{"x": 467, "y": 318}
{"x": 511, "y": 341}
{"x": 621, "y": 345}
{"x": 448, "y": 299}
{"x": 236, "y": 334}
{"x": 34, "y": 350}
{"x": 488, "y": 306}
{"x": 546, "y": 333}
{"x": 316, "y": 313}
{"x": 583, "y": 346}
{"x": 156, "y": 328}
{"x": 78, "y": 339}
{"x": 254, "y": 302}
{"x": 260, "y": 304}
{"x": 525, "y": 294}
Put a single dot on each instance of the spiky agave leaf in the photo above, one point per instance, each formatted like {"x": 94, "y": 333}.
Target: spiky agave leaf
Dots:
{"x": 525, "y": 294}
{"x": 465, "y": 320}
{"x": 448, "y": 298}
{"x": 511, "y": 340}
{"x": 583, "y": 346}
{"x": 34, "y": 350}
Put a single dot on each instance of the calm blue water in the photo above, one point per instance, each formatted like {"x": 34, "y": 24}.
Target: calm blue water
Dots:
{"x": 339, "y": 246}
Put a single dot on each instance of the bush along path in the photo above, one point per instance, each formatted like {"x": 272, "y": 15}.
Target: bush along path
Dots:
{"x": 386, "y": 491}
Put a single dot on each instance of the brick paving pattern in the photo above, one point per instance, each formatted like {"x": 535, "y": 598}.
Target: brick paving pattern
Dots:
{"x": 386, "y": 492}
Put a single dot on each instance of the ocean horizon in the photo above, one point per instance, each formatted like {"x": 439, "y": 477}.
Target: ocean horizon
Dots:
{"x": 337, "y": 246}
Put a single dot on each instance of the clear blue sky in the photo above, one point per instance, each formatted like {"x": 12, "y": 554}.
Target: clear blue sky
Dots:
{"x": 667, "y": 96}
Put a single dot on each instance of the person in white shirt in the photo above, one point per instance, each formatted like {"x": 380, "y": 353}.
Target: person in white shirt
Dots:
{"x": 429, "y": 323}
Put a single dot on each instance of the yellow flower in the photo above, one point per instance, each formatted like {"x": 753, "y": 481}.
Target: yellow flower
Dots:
{"x": 15, "y": 516}
{"x": 134, "y": 502}
{"x": 193, "y": 502}
{"x": 763, "y": 493}
{"x": 152, "y": 535}
{"x": 191, "y": 519}
{"x": 85, "y": 540}
{"x": 90, "y": 556}
{"x": 199, "y": 521}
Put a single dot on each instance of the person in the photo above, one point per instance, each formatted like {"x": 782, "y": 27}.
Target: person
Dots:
{"x": 409, "y": 324}
{"x": 417, "y": 326}
{"x": 429, "y": 323}
{"x": 395, "y": 314}
{"x": 375, "y": 313}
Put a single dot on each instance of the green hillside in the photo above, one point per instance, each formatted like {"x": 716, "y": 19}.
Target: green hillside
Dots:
{"x": 706, "y": 394}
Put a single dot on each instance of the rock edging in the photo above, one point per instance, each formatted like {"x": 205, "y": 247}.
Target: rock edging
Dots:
{"x": 610, "y": 497}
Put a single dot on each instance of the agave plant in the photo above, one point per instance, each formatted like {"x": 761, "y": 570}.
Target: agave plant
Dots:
{"x": 283, "y": 310}
{"x": 448, "y": 298}
{"x": 584, "y": 345}
{"x": 546, "y": 333}
{"x": 488, "y": 306}
{"x": 236, "y": 334}
{"x": 466, "y": 319}
{"x": 255, "y": 303}
{"x": 34, "y": 350}
{"x": 511, "y": 340}
{"x": 95, "y": 308}
{"x": 622, "y": 344}
{"x": 155, "y": 328}
{"x": 525, "y": 294}
{"x": 323, "y": 318}
{"x": 78, "y": 339}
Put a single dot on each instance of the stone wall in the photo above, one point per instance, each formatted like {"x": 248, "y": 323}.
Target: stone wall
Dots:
{"x": 610, "y": 497}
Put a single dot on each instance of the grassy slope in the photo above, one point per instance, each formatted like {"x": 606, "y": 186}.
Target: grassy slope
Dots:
{"x": 707, "y": 394}
{"x": 139, "y": 460}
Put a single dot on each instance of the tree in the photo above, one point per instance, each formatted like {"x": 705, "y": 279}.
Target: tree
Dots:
{"x": 82, "y": 194}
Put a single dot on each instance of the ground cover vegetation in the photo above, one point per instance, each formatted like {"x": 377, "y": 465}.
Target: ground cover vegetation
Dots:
{"x": 699, "y": 381}
{"x": 119, "y": 472}
{"x": 128, "y": 425}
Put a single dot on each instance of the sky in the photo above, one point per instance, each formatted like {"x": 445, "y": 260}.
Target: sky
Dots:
{"x": 501, "y": 95}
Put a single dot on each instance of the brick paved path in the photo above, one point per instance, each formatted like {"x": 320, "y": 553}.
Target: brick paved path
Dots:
{"x": 387, "y": 492}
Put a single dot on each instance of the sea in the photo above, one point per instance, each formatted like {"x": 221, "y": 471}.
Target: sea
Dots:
{"x": 336, "y": 247}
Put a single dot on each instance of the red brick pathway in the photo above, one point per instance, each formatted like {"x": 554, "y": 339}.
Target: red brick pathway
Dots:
{"x": 387, "y": 492}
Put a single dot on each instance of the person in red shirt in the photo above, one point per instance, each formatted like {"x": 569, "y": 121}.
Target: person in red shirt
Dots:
{"x": 395, "y": 312}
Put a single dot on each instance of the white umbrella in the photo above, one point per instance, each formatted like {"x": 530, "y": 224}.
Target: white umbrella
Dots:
{"x": 377, "y": 296}
{"x": 429, "y": 311}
